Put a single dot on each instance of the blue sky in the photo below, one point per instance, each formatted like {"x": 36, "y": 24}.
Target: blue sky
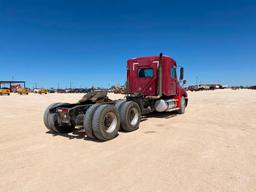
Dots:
{"x": 54, "y": 42}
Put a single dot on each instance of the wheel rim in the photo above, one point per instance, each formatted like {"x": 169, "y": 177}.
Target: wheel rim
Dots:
{"x": 134, "y": 116}
{"x": 110, "y": 122}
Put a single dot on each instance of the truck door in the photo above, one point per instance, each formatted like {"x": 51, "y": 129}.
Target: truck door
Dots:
{"x": 146, "y": 79}
{"x": 173, "y": 81}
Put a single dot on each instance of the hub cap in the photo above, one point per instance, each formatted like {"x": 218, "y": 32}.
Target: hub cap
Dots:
{"x": 110, "y": 122}
{"x": 134, "y": 116}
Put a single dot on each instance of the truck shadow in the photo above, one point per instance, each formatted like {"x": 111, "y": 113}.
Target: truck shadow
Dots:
{"x": 76, "y": 134}
{"x": 165, "y": 115}
{"x": 80, "y": 134}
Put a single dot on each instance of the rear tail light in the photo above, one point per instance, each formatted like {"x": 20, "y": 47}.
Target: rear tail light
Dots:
{"x": 63, "y": 110}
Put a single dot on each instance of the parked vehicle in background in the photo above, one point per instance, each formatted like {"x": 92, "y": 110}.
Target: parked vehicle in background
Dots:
{"x": 43, "y": 91}
{"x": 68, "y": 90}
{"x": 5, "y": 91}
{"x": 51, "y": 90}
{"x": 40, "y": 90}
{"x": 22, "y": 91}
{"x": 36, "y": 90}
{"x": 193, "y": 88}
{"x": 15, "y": 87}
{"x": 205, "y": 87}
{"x": 61, "y": 91}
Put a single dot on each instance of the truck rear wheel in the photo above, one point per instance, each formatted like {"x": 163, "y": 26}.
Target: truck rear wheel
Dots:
{"x": 130, "y": 115}
{"x": 47, "y": 113}
{"x": 51, "y": 122}
{"x": 119, "y": 103}
{"x": 106, "y": 122}
{"x": 182, "y": 105}
{"x": 87, "y": 122}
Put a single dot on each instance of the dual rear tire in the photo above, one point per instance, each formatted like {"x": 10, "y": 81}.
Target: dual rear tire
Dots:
{"x": 130, "y": 116}
{"x": 106, "y": 122}
{"x": 103, "y": 121}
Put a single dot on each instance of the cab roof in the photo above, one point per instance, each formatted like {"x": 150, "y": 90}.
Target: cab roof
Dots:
{"x": 152, "y": 58}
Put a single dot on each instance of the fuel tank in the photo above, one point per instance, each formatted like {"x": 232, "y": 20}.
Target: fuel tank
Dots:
{"x": 162, "y": 105}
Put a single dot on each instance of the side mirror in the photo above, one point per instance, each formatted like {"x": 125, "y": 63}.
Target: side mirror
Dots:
{"x": 184, "y": 82}
{"x": 181, "y": 73}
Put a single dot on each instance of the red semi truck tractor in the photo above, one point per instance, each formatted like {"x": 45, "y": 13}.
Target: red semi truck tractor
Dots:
{"x": 152, "y": 85}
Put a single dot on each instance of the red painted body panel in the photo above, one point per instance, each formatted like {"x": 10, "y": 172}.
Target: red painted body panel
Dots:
{"x": 145, "y": 86}
{"x": 148, "y": 86}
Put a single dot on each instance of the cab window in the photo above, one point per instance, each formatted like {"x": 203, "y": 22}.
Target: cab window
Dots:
{"x": 173, "y": 72}
{"x": 145, "y": 73}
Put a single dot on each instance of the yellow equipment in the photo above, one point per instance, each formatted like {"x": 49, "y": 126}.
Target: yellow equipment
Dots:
{"x": 43, "y": 91}
{"x": 22, "y": 91}
{"x": 5, "y": 91}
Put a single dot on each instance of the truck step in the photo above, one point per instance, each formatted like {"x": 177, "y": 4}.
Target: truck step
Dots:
{"x": 173, "y": 109}
{"x": 172, "y": 100}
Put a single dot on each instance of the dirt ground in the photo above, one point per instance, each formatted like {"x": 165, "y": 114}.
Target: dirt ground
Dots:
{"x": 212, "y": 147}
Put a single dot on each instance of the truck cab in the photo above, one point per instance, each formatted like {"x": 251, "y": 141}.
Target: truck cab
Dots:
{"x": 155, "y": 78}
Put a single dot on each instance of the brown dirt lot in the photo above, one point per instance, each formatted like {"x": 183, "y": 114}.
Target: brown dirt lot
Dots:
{"x": 212, "y": 147}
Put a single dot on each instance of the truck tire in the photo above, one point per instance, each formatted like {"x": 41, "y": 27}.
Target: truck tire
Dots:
{"x": 47, "y": 113}
{"x": 130, "y": 116}
{"x": 182, "y": 105}
{"x": 54, "y": 125}
{"x": 87, "y": 122}
{"x": 118, "y": 104}
{"x": 50, "y": 121}
{"x": 106, "y": 122}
